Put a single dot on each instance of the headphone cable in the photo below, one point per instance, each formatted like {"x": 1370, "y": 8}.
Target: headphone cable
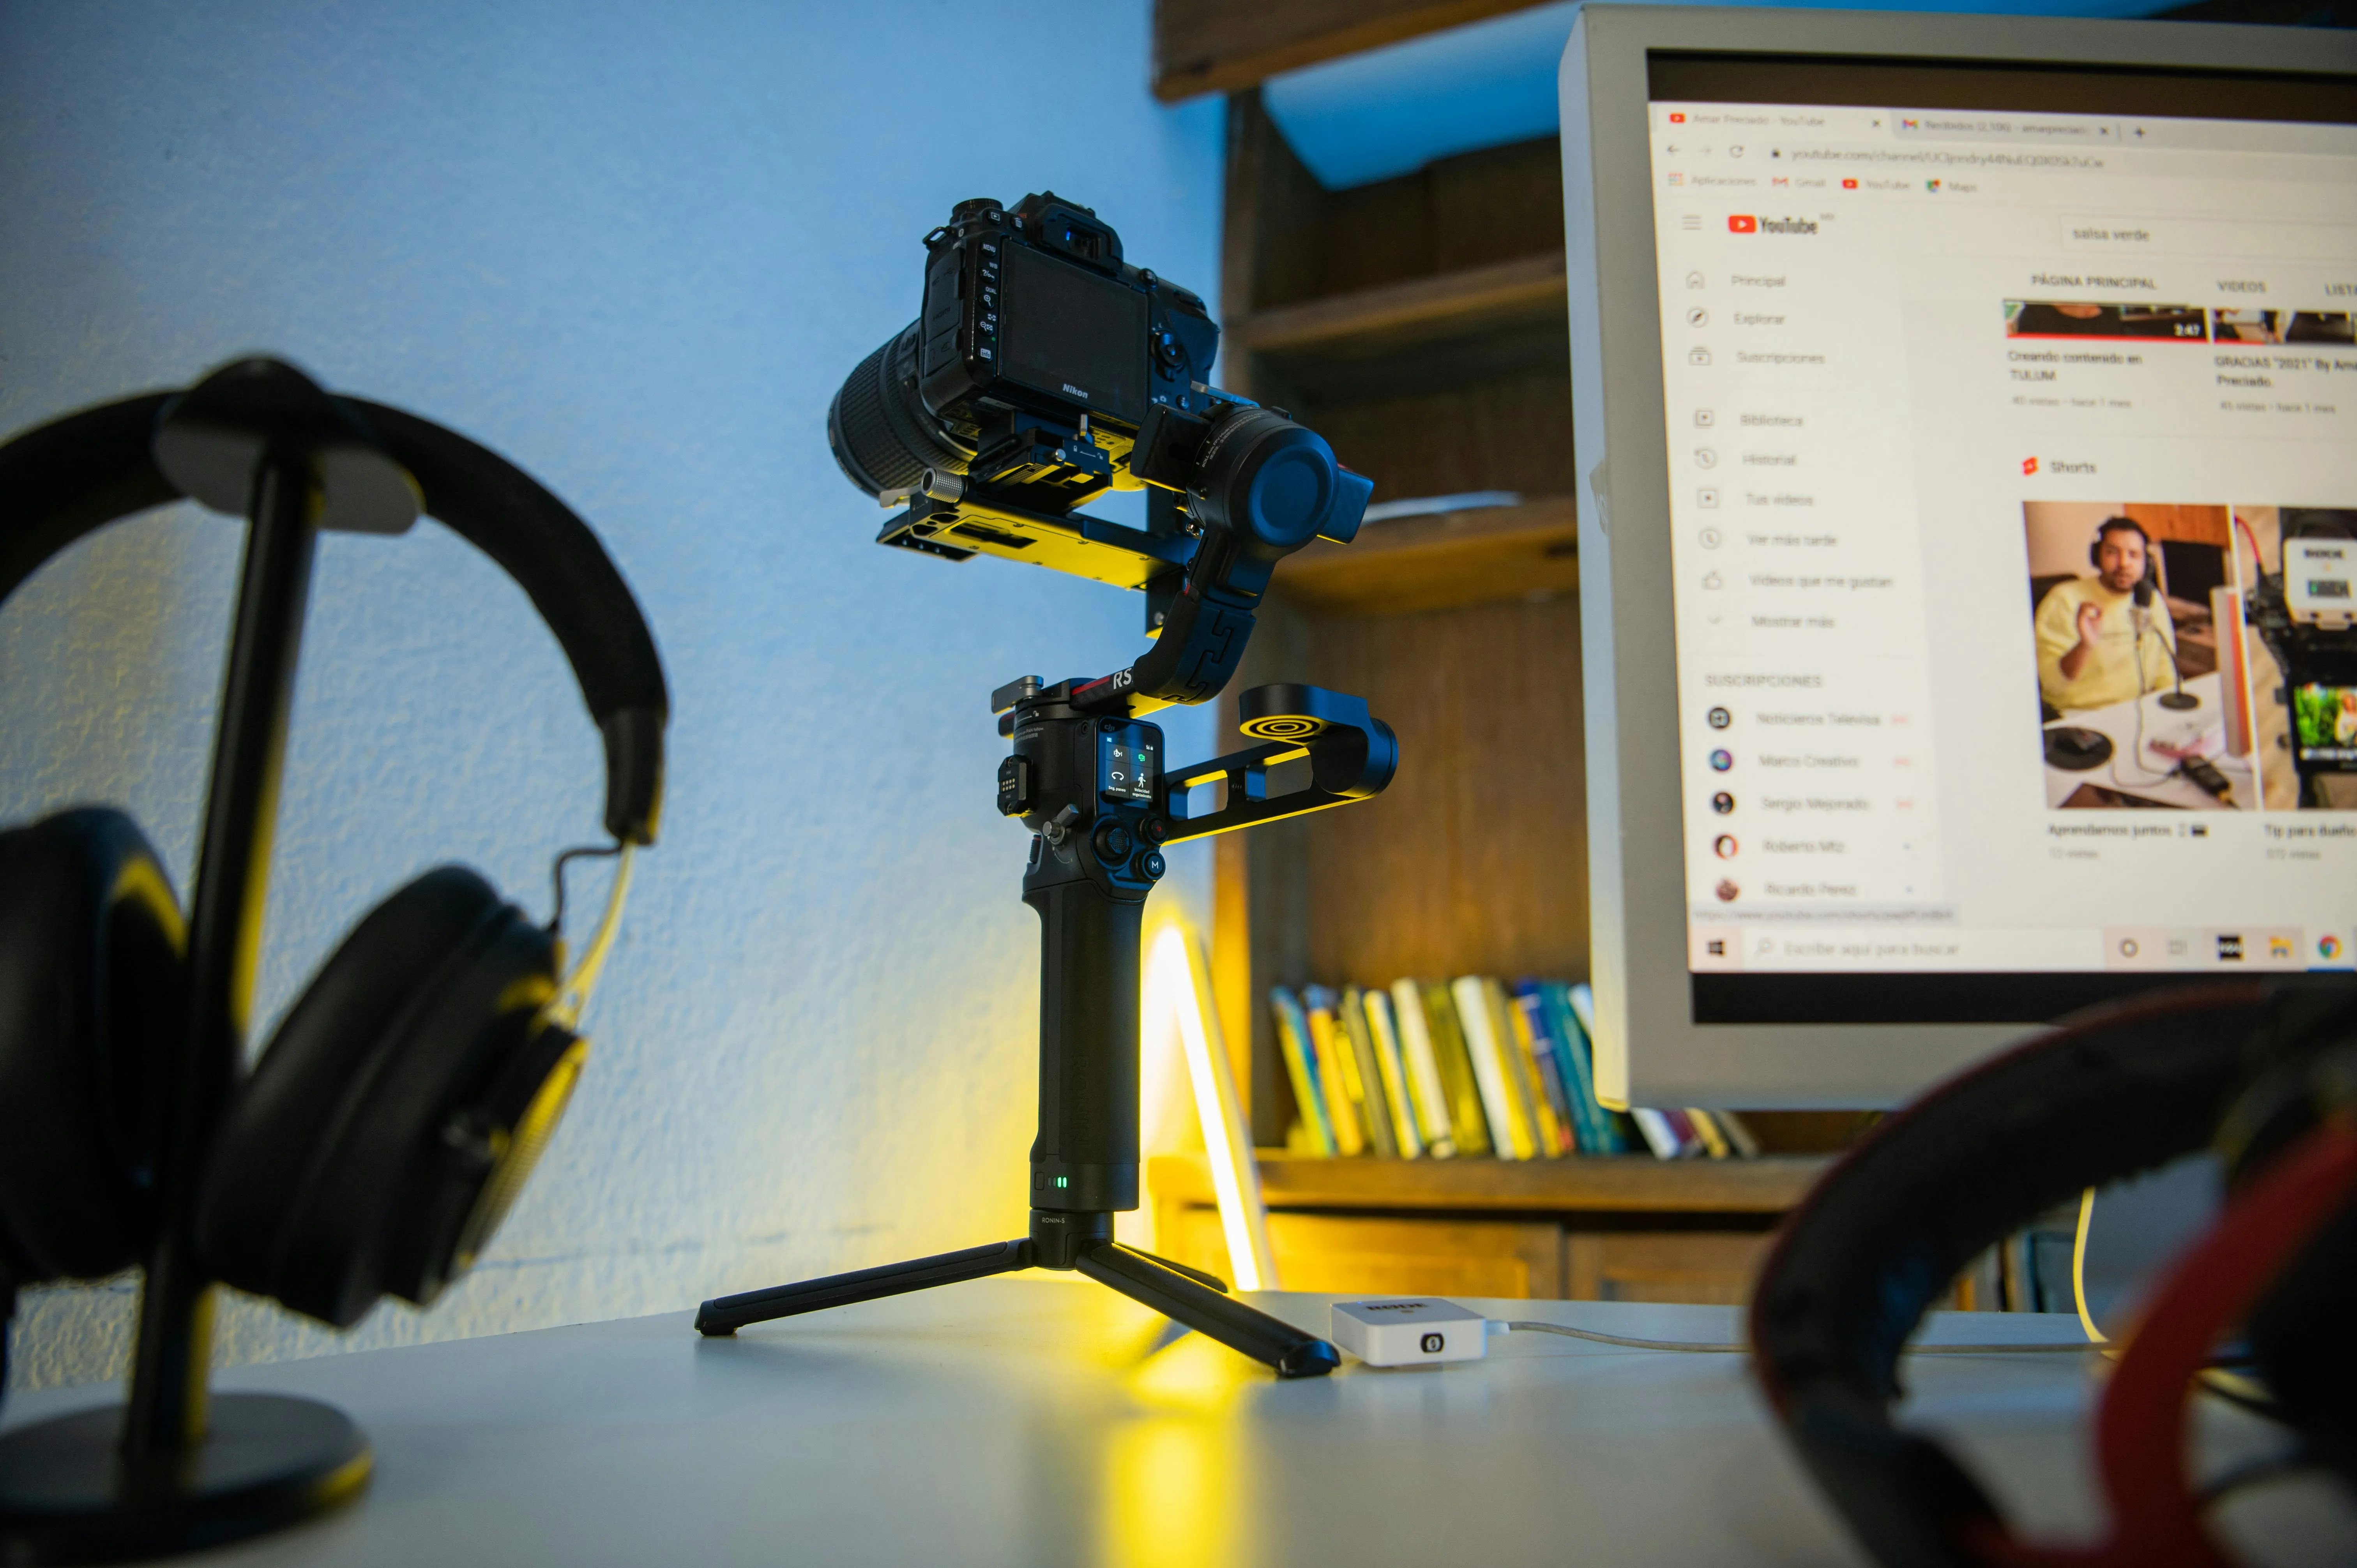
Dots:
{"x": 572, "y": 992}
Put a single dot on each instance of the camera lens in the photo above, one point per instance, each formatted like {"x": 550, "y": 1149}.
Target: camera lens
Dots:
{"x": 880, "y": 429}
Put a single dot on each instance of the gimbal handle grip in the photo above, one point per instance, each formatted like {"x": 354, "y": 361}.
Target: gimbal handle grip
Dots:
{"x": 1086, "y": 1155}
{"x": 1351, "y": 754}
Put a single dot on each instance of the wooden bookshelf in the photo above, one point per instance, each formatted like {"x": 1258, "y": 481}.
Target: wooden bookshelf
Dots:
{"x": 1442, "y": 561}
{"x": 1421, "y": 326}
{"x": 1622, "y": 1185}
{"x": 1629, "y": 1229}
{"x": 1371, "y": 323}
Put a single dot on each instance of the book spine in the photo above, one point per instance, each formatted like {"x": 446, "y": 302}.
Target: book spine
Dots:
{"x": 1334, "y": 1071}
{"x": 1510, "y": 1141}
{"x": 1430, "y": 1093}
{"x": 1747, "y": 1146}
{"x": 1615, "y": 1131}
{"x": 1660, "y": 1136}
{"x": 1301, "y": 1068}
{"x": 1713, "y": 1142}
{"x": 1594, "y": 1135}
{"x": 1547, "y": 1127}
{"x": 1527, "y": 1100}
{"x": 1377, "y": 1005}
{"x": 1375, "y": 1107}
{"x": 1531, "y": 1033}
{"x": 1466, "y": 1112}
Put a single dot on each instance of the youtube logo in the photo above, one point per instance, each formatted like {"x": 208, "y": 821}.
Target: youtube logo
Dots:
{"x": 1849, "y": 184}
{"x": 1742, "y": 224}
{"x": 1677, "y": 119}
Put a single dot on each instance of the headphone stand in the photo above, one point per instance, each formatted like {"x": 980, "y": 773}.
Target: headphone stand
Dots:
{"x": 173, "y": 1470}
{"x": 1094, "y": 833}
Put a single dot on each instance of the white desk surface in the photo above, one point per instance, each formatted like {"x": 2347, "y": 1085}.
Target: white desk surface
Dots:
{"x": 2145, "y": 773}
{"x": 1040, "y": 1421}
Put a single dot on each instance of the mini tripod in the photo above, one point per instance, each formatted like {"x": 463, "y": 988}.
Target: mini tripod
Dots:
{"x": 1091, "y": 786}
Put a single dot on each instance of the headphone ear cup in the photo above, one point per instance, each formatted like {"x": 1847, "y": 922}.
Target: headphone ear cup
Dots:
{"x": 93, "y": 961}
{"x": 394, "y": 1103}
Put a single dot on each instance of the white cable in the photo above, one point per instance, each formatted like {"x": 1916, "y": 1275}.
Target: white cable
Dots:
{"x": 2041, "y": 1347}
{"x": 573, "y": 991}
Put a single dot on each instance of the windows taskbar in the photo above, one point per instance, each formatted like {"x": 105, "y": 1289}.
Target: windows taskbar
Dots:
{"x": 1946, "y": 997}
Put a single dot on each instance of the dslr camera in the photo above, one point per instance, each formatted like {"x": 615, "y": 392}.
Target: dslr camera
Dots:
{"x": 1043, "y": 371}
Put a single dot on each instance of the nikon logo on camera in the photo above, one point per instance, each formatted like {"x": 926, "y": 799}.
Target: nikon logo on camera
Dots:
{"x": 1076, "y": 391}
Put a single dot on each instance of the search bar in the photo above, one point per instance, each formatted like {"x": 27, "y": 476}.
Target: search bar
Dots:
{"x": 2209, "y": 237}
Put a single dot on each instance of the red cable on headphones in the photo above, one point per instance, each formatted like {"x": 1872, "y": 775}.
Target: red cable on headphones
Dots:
{"x": 2141, "y": 1437}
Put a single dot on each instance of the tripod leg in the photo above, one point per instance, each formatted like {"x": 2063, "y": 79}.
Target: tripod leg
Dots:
{"x": 1212, "y": 1280}
{"x": 729, "y": 1312}
{"x": 1240, "y": 1327}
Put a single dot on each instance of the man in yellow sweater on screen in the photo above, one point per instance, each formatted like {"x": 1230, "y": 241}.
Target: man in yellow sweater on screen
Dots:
{"x": 2092, "y": 631}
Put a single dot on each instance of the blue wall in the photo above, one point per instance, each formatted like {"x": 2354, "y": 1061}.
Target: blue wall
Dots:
{"x": 635, "y": 248}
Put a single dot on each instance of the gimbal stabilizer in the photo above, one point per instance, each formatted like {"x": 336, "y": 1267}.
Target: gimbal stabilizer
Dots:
{"x": 1087, "y": 778}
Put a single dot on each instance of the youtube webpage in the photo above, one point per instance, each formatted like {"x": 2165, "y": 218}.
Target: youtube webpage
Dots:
{"x": 2013, "y": 464}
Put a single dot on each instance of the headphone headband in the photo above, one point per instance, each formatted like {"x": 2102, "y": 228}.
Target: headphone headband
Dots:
{"x": 75, "y": 475}
{"x": 2126, "y": 1090}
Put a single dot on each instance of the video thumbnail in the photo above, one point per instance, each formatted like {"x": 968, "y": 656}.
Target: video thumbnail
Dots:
{"x": 2300, "y": 650}
{"x": 2138, "y": 708}
{"x": 2075, "y": 318}
{"x": 2283, "y": 327}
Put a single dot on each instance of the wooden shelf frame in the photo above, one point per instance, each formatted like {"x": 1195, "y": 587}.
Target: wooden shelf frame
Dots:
{"x": 1220, "y": 45}
{"x": 1628, "y": 1184}
{"x": 1441, "y": 560}
{"x": 1520, "y": 290}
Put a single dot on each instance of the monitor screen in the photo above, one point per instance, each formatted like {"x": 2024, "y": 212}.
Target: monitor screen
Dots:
{"x": 1992, "y": 397}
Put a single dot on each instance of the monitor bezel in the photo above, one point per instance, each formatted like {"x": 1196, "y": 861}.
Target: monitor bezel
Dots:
{"x": 1638, "y": 958}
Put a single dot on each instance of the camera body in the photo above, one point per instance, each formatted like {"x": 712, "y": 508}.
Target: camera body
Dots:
{"x": 1031, "y": 314}
{"x": 1019, "y": 393}
{"x": 1045, "y": 371}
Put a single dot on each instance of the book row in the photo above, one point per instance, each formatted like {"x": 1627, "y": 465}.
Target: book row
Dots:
{"x": 1434, "y": 1069}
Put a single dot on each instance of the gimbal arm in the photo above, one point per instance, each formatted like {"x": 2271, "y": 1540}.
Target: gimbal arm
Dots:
{"x": 1258, "y": 487}
{"x": 1352, "y": 756}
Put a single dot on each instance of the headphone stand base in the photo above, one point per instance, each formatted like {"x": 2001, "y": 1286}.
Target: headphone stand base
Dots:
{"x": 267, "y": 1461}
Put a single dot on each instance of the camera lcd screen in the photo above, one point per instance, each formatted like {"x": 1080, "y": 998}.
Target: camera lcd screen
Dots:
{"x": 1075, "y": 335}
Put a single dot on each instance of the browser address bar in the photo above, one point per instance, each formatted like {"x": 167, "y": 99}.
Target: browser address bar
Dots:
{"x": 1946, "y": 157}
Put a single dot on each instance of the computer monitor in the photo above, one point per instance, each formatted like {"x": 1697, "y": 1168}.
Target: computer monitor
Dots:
{"x": 1910, "y": 355}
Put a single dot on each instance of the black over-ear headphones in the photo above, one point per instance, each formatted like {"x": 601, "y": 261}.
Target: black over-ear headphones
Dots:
{"x": 2264, "y": 1074}
{"x": 402, "y": 1102}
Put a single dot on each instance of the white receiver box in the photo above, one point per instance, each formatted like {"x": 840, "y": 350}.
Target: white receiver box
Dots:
{"x": 1409, "y": 1331}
